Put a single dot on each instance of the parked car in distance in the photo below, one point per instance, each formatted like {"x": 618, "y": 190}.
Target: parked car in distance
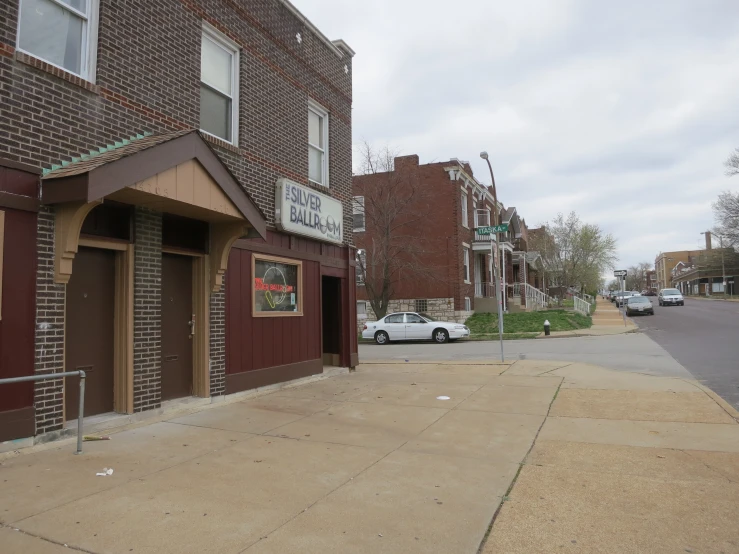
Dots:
{"x": 671, "y": 297}
{"x": 622, "y": 296}
{"x": 639, "y": 305}
{"x": 413, "y": 326}
{"x": 650, "y": 292}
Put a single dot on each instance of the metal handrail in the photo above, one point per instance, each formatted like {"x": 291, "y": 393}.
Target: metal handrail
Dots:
{"x": 82, "y": 376}
{"x": 539, "y": 298}
{"x": 484, "y": 290}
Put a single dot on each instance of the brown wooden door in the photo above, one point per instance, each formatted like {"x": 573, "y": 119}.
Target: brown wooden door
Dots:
{"x": 89, "y": 331}
{"x": 176, "y": 316}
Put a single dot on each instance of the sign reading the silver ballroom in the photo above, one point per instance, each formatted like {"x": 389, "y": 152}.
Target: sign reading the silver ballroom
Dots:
{"x": 303, "y": 211}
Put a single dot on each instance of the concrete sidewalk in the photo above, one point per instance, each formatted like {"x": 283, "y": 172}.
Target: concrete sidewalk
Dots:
{"x": 401, "y": 458}
{"x": 607, "y": 320}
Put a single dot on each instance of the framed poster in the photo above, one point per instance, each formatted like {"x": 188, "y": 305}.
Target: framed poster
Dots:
{"x": 277, "y": 286}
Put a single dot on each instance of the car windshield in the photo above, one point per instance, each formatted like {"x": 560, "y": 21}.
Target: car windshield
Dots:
{"x": 670, "y": 291}
{"x": 427, "y": 317}
{"x": 639, "y": 300}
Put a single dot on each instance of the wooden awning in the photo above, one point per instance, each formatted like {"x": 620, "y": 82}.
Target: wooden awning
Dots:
{"x": 173, "y": 172}
{"x": 176, "y": 173}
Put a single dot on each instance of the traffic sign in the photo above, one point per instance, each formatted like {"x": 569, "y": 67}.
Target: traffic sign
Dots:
{"x": 619, "y": 273}
{"x": 491, "y": 229}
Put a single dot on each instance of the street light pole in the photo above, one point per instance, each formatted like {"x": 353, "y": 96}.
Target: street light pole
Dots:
{"x": 498, "y": 292}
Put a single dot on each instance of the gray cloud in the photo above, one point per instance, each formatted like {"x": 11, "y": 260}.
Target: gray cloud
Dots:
{"x": 576, "y": 100}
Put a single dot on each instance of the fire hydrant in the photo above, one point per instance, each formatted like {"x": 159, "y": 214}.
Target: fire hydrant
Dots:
{"x": 546, "y": 328}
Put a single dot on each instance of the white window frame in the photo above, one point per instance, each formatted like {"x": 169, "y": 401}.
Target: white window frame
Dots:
{"x": 358, "y": 208}
{"x": 221, "y": 40}
{"x": 321, "y": 112}
{"x": 466, "y": 264}
{"x": 88, "y": 48}
{"x": 474, "y": 212}
{"x": 467, "y": 304}
{"x": 465, "y": 211}
{"x": 364, "y": 311}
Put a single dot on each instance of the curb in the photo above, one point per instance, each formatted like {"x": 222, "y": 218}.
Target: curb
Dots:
{"x": 728, "y": 408}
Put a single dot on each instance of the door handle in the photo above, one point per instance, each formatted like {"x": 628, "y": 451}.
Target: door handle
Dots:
{"x": 191, "y": 323}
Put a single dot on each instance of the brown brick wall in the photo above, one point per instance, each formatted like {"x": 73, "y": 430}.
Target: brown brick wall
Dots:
{"x": 148, "y": 79}
{"x": 445, "y": 255}
{"x": 147, "y": 310}
{"x": 49, "y": 356}
{"x": 218, "y": 342}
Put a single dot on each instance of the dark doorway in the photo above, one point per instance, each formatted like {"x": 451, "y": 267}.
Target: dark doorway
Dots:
{"x": 331, "y": 319}
{"x": 177, "y": 338}
{"x": 90, "y": 330}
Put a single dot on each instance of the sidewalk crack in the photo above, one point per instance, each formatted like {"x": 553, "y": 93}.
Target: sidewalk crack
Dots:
{"x": 520, "y": 468}
{"x": 52, "y": 541}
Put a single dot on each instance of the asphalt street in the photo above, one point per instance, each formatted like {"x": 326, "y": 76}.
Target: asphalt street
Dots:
{"x": 633, "y": 352}
{"x": 703, "y": 336}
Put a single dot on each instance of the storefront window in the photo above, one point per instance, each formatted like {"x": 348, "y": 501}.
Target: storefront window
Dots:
{"x": 277, "y": 288}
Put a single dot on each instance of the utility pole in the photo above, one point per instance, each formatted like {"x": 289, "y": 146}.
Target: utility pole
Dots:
{"x": 498, "y": 292}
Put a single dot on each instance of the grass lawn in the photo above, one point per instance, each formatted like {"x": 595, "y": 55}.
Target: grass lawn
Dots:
{"x": 527, "y": 322}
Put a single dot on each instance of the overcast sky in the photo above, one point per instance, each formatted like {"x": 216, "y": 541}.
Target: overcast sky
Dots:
{"x": 622, "y": 111}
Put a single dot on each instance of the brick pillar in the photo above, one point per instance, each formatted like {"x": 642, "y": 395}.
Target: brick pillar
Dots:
{"x": 49, "y": 342}
{"x": 218, "y": 341}
{"x": 147, "y": 310}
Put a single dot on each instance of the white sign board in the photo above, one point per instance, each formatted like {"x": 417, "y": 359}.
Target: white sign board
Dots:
{"x": 303, "y": 211}
{"x": 620, "y": 273}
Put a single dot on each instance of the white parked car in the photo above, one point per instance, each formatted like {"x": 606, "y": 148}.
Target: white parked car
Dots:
{"x": 671, "y": 297}
{"x": 413, "y": 326}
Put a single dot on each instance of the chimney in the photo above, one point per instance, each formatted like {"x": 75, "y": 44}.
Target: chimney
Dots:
{"x": 405, "y": 162}
{"x": 708, "y": 240}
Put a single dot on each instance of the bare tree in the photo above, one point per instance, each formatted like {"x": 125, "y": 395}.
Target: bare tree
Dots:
{"x": 575, "y": 254}
{"x": 726, "y": 214}
{"x": 396, "y": 205}
{"x": 636, "y": 276}
{"x": 732, "y": 163}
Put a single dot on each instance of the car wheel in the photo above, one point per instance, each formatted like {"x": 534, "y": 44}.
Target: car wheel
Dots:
{"x": 381, "y": 337}
{"x": 682, "y": 303}
{"x": 441, "y": 336}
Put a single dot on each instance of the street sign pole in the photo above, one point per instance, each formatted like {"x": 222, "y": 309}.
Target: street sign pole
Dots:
{"x": 621, "y": 274}
{"x": 498, "y": 292}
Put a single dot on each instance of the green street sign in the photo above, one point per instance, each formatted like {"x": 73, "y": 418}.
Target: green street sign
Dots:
{"x": 490, "y": 229}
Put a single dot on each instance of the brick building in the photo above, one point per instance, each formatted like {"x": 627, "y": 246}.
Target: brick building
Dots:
{"x": 176, "y": 177}
{"x": 456, "y": 262}
{"x": 665, "y": 263}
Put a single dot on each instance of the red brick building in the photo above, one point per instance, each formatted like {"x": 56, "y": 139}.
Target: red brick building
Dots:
{"x": 176, "y": 179}
{"x": 457, "y": 277}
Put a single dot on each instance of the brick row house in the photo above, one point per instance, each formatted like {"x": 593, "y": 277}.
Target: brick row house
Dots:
{"x": 454, "y": 277}
{"x": 175, "y": 204}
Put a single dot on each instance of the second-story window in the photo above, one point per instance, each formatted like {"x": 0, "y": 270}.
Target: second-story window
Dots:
{"x": 60, "y": 32}
{"x": 465, "y": 214}
{"x": 466, "y": 265}
{"x": 358, "y": 213}
{"x": 474, "y": 212}
{"x": 317, "y": 144}
{"x": 219, "y": 86}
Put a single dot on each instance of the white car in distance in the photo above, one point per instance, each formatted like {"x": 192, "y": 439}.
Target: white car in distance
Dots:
{"x": 670, "y": 297}
{"x": 413, "y": 326}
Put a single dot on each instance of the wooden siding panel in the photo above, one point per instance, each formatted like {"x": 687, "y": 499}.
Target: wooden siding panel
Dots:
{"x": 17, "y": 327}
{"x": 258, "y": 343}
{"x": 19, "y": 182}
